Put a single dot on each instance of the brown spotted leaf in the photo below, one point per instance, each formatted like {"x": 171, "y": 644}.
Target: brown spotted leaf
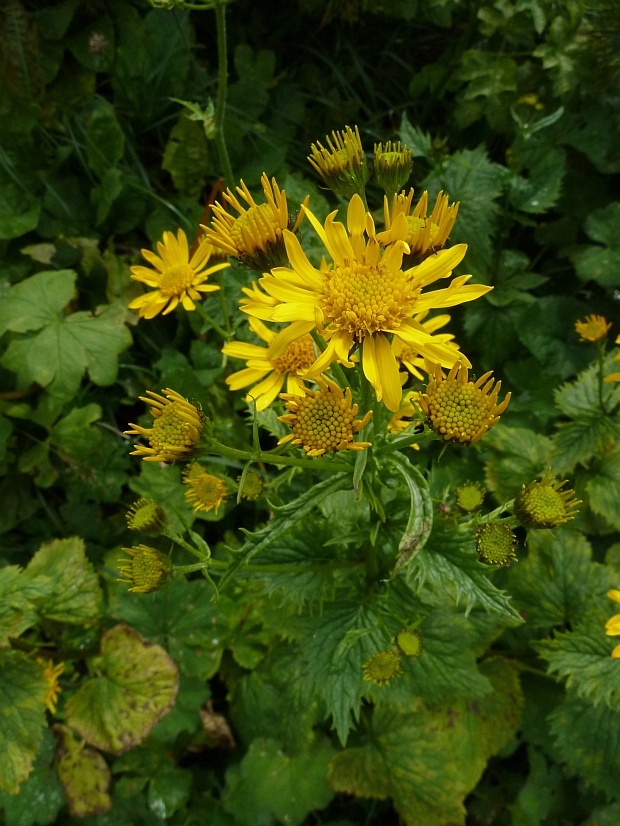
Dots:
{"x": 83, "y": 773}
{"x": 137, "y": 686}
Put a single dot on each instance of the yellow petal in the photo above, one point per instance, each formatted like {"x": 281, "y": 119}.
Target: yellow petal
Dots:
{"x": 300, "y": 263}
{"x": 356, "y": 216}
{"x": 244, "y": 377}
{"x": 388, "y": 373}
{"x": 285, "y": 337}
{"x": 369, "y": 365}
{"x": 339, "y": 244}
{"x": 291, "y": 312}
{"x": 615, "y": 595}
{"x": 439, "y": 265}
{"x": 265, "y": 392}
{"x": 616, "y": 653}
{"x": 243, "y": 350}
{"x": 261, "y": 330}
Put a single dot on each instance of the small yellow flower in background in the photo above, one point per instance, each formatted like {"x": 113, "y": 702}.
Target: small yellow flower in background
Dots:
{"x": 175, "y": 276}
{"x": 176, "y": 429}
{"x": 51, "y": 673}
{"x": 145, "y": 516}
{"x": 252, "y": 486}
{"x": 544, "y": 504}
{"x": 382, "y": 667}
{"x": 409, "y": 357}
{"x": 470, "y": 496}
{"x": 531, "y": 100}
{"x": 402, "y": 420}
{"x": 458, "y": 409}
{"x": 342, "y": 165}
{"x": 594, "y": 328}
{"x": 323, "y": 419}
{"x": 409, "y": 642}
{"x": 255, "y": 235}
{"x": 423, "y": 235}
{"x": 495, "y": 544}
{"x": 613, "y": 377}
{"x": 362, "y": 299}
{"x": 146, "y": 570}
{"x": 612, "y": 626}
{"x": 270, "y": 373}
{"x": 204, "y": 492}
{"x": 392, "y": 166}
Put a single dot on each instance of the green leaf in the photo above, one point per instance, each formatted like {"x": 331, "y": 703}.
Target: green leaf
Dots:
{"x": 186, "y": 156}
{"x": 163, "y": 484}
{"x": 580, "y": 399}
{"x": 19, "y": 212}
{"x": 420, "y": 520}
{"x": 583, "y": 657}
{"x": 105, "y": 140}
{"x": 547, "y": 329}
{"x": 35, "y": 302}
{"x": 520, "y": 455}
{"x": 19, "y": 596}
{"x": 576, "y": 442}
{"x": 22, "y": 693}
{"x": 541, "y": 189}
{"x": 416, "y": 140}
{"x": 184, "y": 717}
{"x": 40, "y": 796}
{"x": 169, "y": 789}
{"x": 604, "y": 488}
{"x": 93, "y": 47}
{"x": 558, "y": 582}
{"x": 75, "y": 595}
{"x": 602, "y": 264}
{"x": 536, "y": 799}
{"x": 137, "y": 687}
{"x": 603, "y": 225}
{"x": 270, "y": 786}
{"x": 587, "y": 739}
{"x": 428, "y": 761}
{"x": 84, "y": 775}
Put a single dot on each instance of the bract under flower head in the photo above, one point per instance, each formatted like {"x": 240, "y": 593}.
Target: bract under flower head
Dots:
{"x": 382, "y": 667}
{"x": 458, "y": 409}
{"x": 342, "y": 165}
{"x": 594, "y": 328}
{"x": 146, "y": 516}
{"x": 255, "y": 235}
{"x": 270, "y": 373}
{"x": 323, "y": 419}
{"x": 544, "y": 504}
{"x": 495, "y": 543}
{"x": 175, "y": 276}
{"x": 146, "y": 570}
{"x": 51, "y": 674}
{"x": 392, "y": 166}
{"x": 364, "y": 297}
{"x": 176, "y": 429}
{"x": 470, "y": 496}
{"x": 204, "y": 492}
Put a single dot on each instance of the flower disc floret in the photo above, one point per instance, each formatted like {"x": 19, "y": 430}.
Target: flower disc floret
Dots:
{"x": 382, "y": 667}
{"x": 544, "y": 504}
{"x": 204, "y": 492}
{"x": 145, "y": 516}
{"x": 146, "y": 570}
{"x": 409, "y": 642}
{"x": 495, "y": 543}
{"x": 594, "y": 328}
{"x": 323, "y": 420}
{"x": 176, "y": 429}
{"x": 470, "y": 496}
{"x": 51, "y": 673}
{"x": 458, "y": 409}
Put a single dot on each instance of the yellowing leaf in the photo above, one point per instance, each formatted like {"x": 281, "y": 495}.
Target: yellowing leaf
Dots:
{"x": 84, "y": 775}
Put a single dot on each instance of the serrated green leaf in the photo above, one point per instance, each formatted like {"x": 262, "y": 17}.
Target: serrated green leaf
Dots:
{"x": 420, "y": 522}
{"x": 603, "y": 225}
{"x": 576, "y": 442}
{"x": 137, "y": 687}
{"x": 604, "y": 488}
{"x": 541, "y": 189}
{"x": 186, "y": 156}
{"x": 558, "y": 582}
{"x": 19, "y": 597}
{"x": 184, "y": 717}
{"x": 83, "y": 773}
{"x": 22, "y": 693}
{"x": 36, "y": 301}
{"x": 40, "y": 796}
{"x": 520, "y": 455}
{"x": 19, "y": 212}
{"x": 547, "y": 329}
{"x": 75, "y": 595}
{"x": 535, "y": 800}
{"x": 268, "y": 785}
{"x": 582, "y": 398}
{"x": 415, "y": 139}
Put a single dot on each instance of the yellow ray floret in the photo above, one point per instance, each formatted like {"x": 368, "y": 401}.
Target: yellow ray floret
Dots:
{"x": 51, "y": 674}
{"x": 424, "y": 235}
{"x": 362, "y": 299}
{"x": 544, "y": 504}
{"x": 409, "y": 357}
{"x": 323, "y": 419}
{"x": 458, "y": 409}
{"x": 175, "y": 276}
{"x": 204, "y": 492}
{"x": 594, "y": 328}
{"x": 176, "y": 429}
{"x": 254, "y": 236}
{"x": 269, "y": 373}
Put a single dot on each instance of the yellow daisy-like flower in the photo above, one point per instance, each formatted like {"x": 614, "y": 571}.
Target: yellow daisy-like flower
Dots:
{"x": 146, "y": 570}
{"x": 458, "y": 409}
{"x": 424, "y": 235}
{"x": 342, "y": 165}
{"x": 270, "y": 373}
{"x": 176, "y": 429}
{"x": 392, "y": 166}
{"x": 205, "y": 492}
{"x": 51, "y": 673}
{"x": 544, "y": 504}
{"x": 255, "y": 235}
{"x": 408, "y": 409}
{"x": 365, "y": 297}
{"x": 382, "y": 667}
{"x": 594, "y": 328}
{"x": 409, "y": 356}
{"x": 145, "y": 516}
{"x": 175, "y": 276}
{"x": 323, "y": 419}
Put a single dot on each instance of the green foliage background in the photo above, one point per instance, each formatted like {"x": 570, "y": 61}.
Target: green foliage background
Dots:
{"x": 510, "y": 106}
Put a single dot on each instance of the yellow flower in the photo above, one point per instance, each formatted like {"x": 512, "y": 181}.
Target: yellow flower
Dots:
{"x": 470, "y": 496}
{"x": 51, "y": 673}
{"x": 323, "y": 419}
{"x": 392, "y": 166}
{"x": 495, "y": 543}
{"x": 176, "y": 429}
{"x": 343, "y": 165}
{"x": 408, "y": 356}
{"x": 458, "y": 409}
{"x": 382, "y": 667}
{"x": 175, "y": 276}
{"x": 613, "y": 377}
{"x": 612, "y": 626}
{"x": 145, "y": 516}
{"x": 544, "y": 504}
{"x": 146, "y": 570}
{"x": 423, "y": 235}
{"x": 402, "y": 419}
{"x": 365, "y": 297}
{"x": 205, "y": 492}
{"x": 594, "y": 328}
{"x": 255, "y": 235}
{"x": 269, "y": 372}
{"x": 409, "y": 642}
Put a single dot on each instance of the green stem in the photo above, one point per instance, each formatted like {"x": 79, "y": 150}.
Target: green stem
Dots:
{"x": 214, "y": 324}
{"x": 273, "y": 459}
{"x": 264, "y": 569}
{"x": 192, "y": 550}
{"x": 220, "y": 106}
{"x": 372, "y": 564}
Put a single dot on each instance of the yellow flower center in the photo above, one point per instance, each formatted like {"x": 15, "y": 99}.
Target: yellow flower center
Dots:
{"x": 206, "y": 492}
{"x": 543, "y": 504}
{"x": 458, "y": 411}
{"x": 416, "y": 225}
{"x": 382, "y": 667}
{"x": 255, "y": 218}
{"x": 366, "y": 298}
{"x": 170, "y": 430}
{"x": 409, "y": 642}
{"x": 176, "y": 280}
{"x": 298, "y": 356}
{"x": 323, "y": 422}
{"x": 495, "y": 544}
